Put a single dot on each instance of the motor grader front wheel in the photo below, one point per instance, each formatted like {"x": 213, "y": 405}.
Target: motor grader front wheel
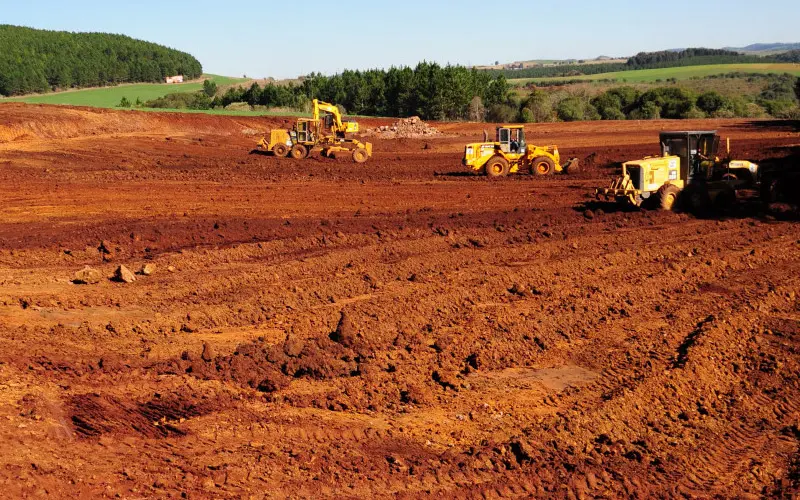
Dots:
{"x": 360, "y": 155}
{"x": 668, "y": 197}
{"x": 497, "y": 166}
{"x": 299, "y": 152}
{"x": 543, "y": 165}
{"x": 280, "y": 150}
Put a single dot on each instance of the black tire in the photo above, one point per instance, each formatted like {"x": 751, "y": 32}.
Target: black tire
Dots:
{"x": 668, "y": 197}
{"x": 280, "y": 150}
{"x": 724, "y": 200}
{"x": 771, "y": 190}
{"x": 695, "y": 199}
{"x": 360, "y": 155}
{"x": 299, "y": 152}
{"x": 497, "y": 166}
{"x": 543, "y": 165}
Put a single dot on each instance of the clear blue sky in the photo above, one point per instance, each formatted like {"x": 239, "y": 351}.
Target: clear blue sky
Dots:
{"x": 291, "y": 38}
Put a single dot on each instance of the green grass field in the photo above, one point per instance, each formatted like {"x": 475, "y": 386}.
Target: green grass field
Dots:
{"x": 109, "y": 97}
{"x": 681, "y": 73}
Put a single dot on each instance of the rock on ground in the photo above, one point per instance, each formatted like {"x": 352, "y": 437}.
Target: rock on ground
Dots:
{"x": 88, "y": 276}
{"x": 124, "y": 275}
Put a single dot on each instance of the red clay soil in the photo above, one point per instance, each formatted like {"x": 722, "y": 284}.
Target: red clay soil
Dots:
{"x": 318, "y": 328}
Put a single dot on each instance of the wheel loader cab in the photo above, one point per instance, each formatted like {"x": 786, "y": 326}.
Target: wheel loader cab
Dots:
{"x": 511, "y": 139}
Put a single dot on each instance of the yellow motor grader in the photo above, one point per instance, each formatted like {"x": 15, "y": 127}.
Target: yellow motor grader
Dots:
{"x": 687, "y": 175}
{"x": 309, "y": 133}
{"x": 510, "y": 154}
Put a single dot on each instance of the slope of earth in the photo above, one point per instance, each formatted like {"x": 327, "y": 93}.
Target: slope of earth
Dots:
{"x": 318, "y": 328}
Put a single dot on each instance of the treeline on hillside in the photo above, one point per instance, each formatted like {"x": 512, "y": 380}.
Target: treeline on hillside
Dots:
{"x": 778, "y": 98}
{"x": 643, "y": 60}
{"x": 793, "y": 56}
{"x": 40, "y": 60}
{"x": 429, "y": 90}
{"x": 453, "y": 93}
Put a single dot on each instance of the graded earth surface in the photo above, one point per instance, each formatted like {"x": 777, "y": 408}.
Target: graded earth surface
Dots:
{"x": 317, "y": 328}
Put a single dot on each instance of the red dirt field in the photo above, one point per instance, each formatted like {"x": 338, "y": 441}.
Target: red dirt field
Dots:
{"x": 318, "y": 328}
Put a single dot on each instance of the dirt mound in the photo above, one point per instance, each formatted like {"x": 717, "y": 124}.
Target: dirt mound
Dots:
{"x": 405, "y": 128}
{"x": 94, "y": 415}
{"x": 26, "y": 122}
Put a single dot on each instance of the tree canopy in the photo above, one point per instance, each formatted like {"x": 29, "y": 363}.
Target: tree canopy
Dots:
{"x": 34, "y": 60}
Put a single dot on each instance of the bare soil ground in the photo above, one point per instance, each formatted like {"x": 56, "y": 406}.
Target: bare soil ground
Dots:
{"x": 319, "y": 328}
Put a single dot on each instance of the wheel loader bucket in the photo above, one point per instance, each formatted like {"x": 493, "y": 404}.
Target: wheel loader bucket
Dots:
{"x": 571, "y": 166}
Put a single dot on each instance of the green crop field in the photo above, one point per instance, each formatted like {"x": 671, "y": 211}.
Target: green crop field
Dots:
{"x": 679, "y": 73}
{"x": 109, "y": 97}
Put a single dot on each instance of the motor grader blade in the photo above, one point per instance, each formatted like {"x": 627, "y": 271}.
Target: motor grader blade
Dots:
{"x": 622, "y": 190}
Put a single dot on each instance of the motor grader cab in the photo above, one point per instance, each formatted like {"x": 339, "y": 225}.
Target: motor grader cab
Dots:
{"x": 688, "y": 169}
{"x": 325, "y": 129}
{"x": 510, "y": 154}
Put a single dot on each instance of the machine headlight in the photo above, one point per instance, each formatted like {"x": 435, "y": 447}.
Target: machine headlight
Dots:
{"x": 753, "y": 168}
{"x": 470, "y": 151}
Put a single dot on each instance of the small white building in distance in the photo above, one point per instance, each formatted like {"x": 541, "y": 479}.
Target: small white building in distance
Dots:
{"x": 175, "y": 79}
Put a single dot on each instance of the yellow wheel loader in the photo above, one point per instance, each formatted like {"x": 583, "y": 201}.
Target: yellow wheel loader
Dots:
{"x": 510, "y": 154}
{"x": 328, "y": 132}
{"x": 688, "y": 175}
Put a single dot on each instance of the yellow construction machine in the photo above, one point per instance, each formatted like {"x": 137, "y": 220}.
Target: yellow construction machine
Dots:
{"x": 325, "y": 129}
{"x": 510, "y": 154}
{"x": 688, "y": 175}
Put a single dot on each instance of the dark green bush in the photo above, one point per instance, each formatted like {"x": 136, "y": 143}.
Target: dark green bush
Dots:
{"x": 711, "y": 102}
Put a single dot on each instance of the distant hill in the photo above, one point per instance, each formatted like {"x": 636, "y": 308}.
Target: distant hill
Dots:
{"x": 35, "y": 61}
{"x": 766, "y": 48}
{"x": 755, "y": 49}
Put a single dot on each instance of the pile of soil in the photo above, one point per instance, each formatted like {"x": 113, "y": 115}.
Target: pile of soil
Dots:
{"x": 406, "y": 128}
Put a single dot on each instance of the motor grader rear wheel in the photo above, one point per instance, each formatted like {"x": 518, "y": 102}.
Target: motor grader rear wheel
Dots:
{"x": 280, "y": 150}
{"x": 497, "y": 166}
{"x": 360, "y": 155}
{"x": 299, "y": 152}
{"x": 543, "y": 165}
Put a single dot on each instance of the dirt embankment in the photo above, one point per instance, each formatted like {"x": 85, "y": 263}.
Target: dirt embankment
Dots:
{"x": 395, "y": 329}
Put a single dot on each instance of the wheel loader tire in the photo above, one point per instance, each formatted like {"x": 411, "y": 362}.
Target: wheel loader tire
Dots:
{"x": 668, "y": 197}
{"x": 280, "y": 150}
{"x": 360, "y": 155}
{"x": 299, "y": 152}
{"x": 543, "y": 165}
{"x": 497, "y": 166}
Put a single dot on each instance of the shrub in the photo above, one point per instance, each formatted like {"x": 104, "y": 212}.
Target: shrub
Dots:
{"x": 209, "y": 88}
{"x": 477, "y": 112}
{"x": 575, "y": 108}
{"x": 753, "y": 110}
{"x": 501, "y": 113}
{"x": 695, "y": 113}
{"x": 790, "y": 113}
{"x": 526, "y": 116}
{"x": 540, "y": 104}
{"x": 182, "y": 100}
{"x": 724, "y": 113}
{"x": 647, "y": 111}
{"x": 124, "y": 103}
{"x": 710, "y": 102}
{"x": 673, "y": 102}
